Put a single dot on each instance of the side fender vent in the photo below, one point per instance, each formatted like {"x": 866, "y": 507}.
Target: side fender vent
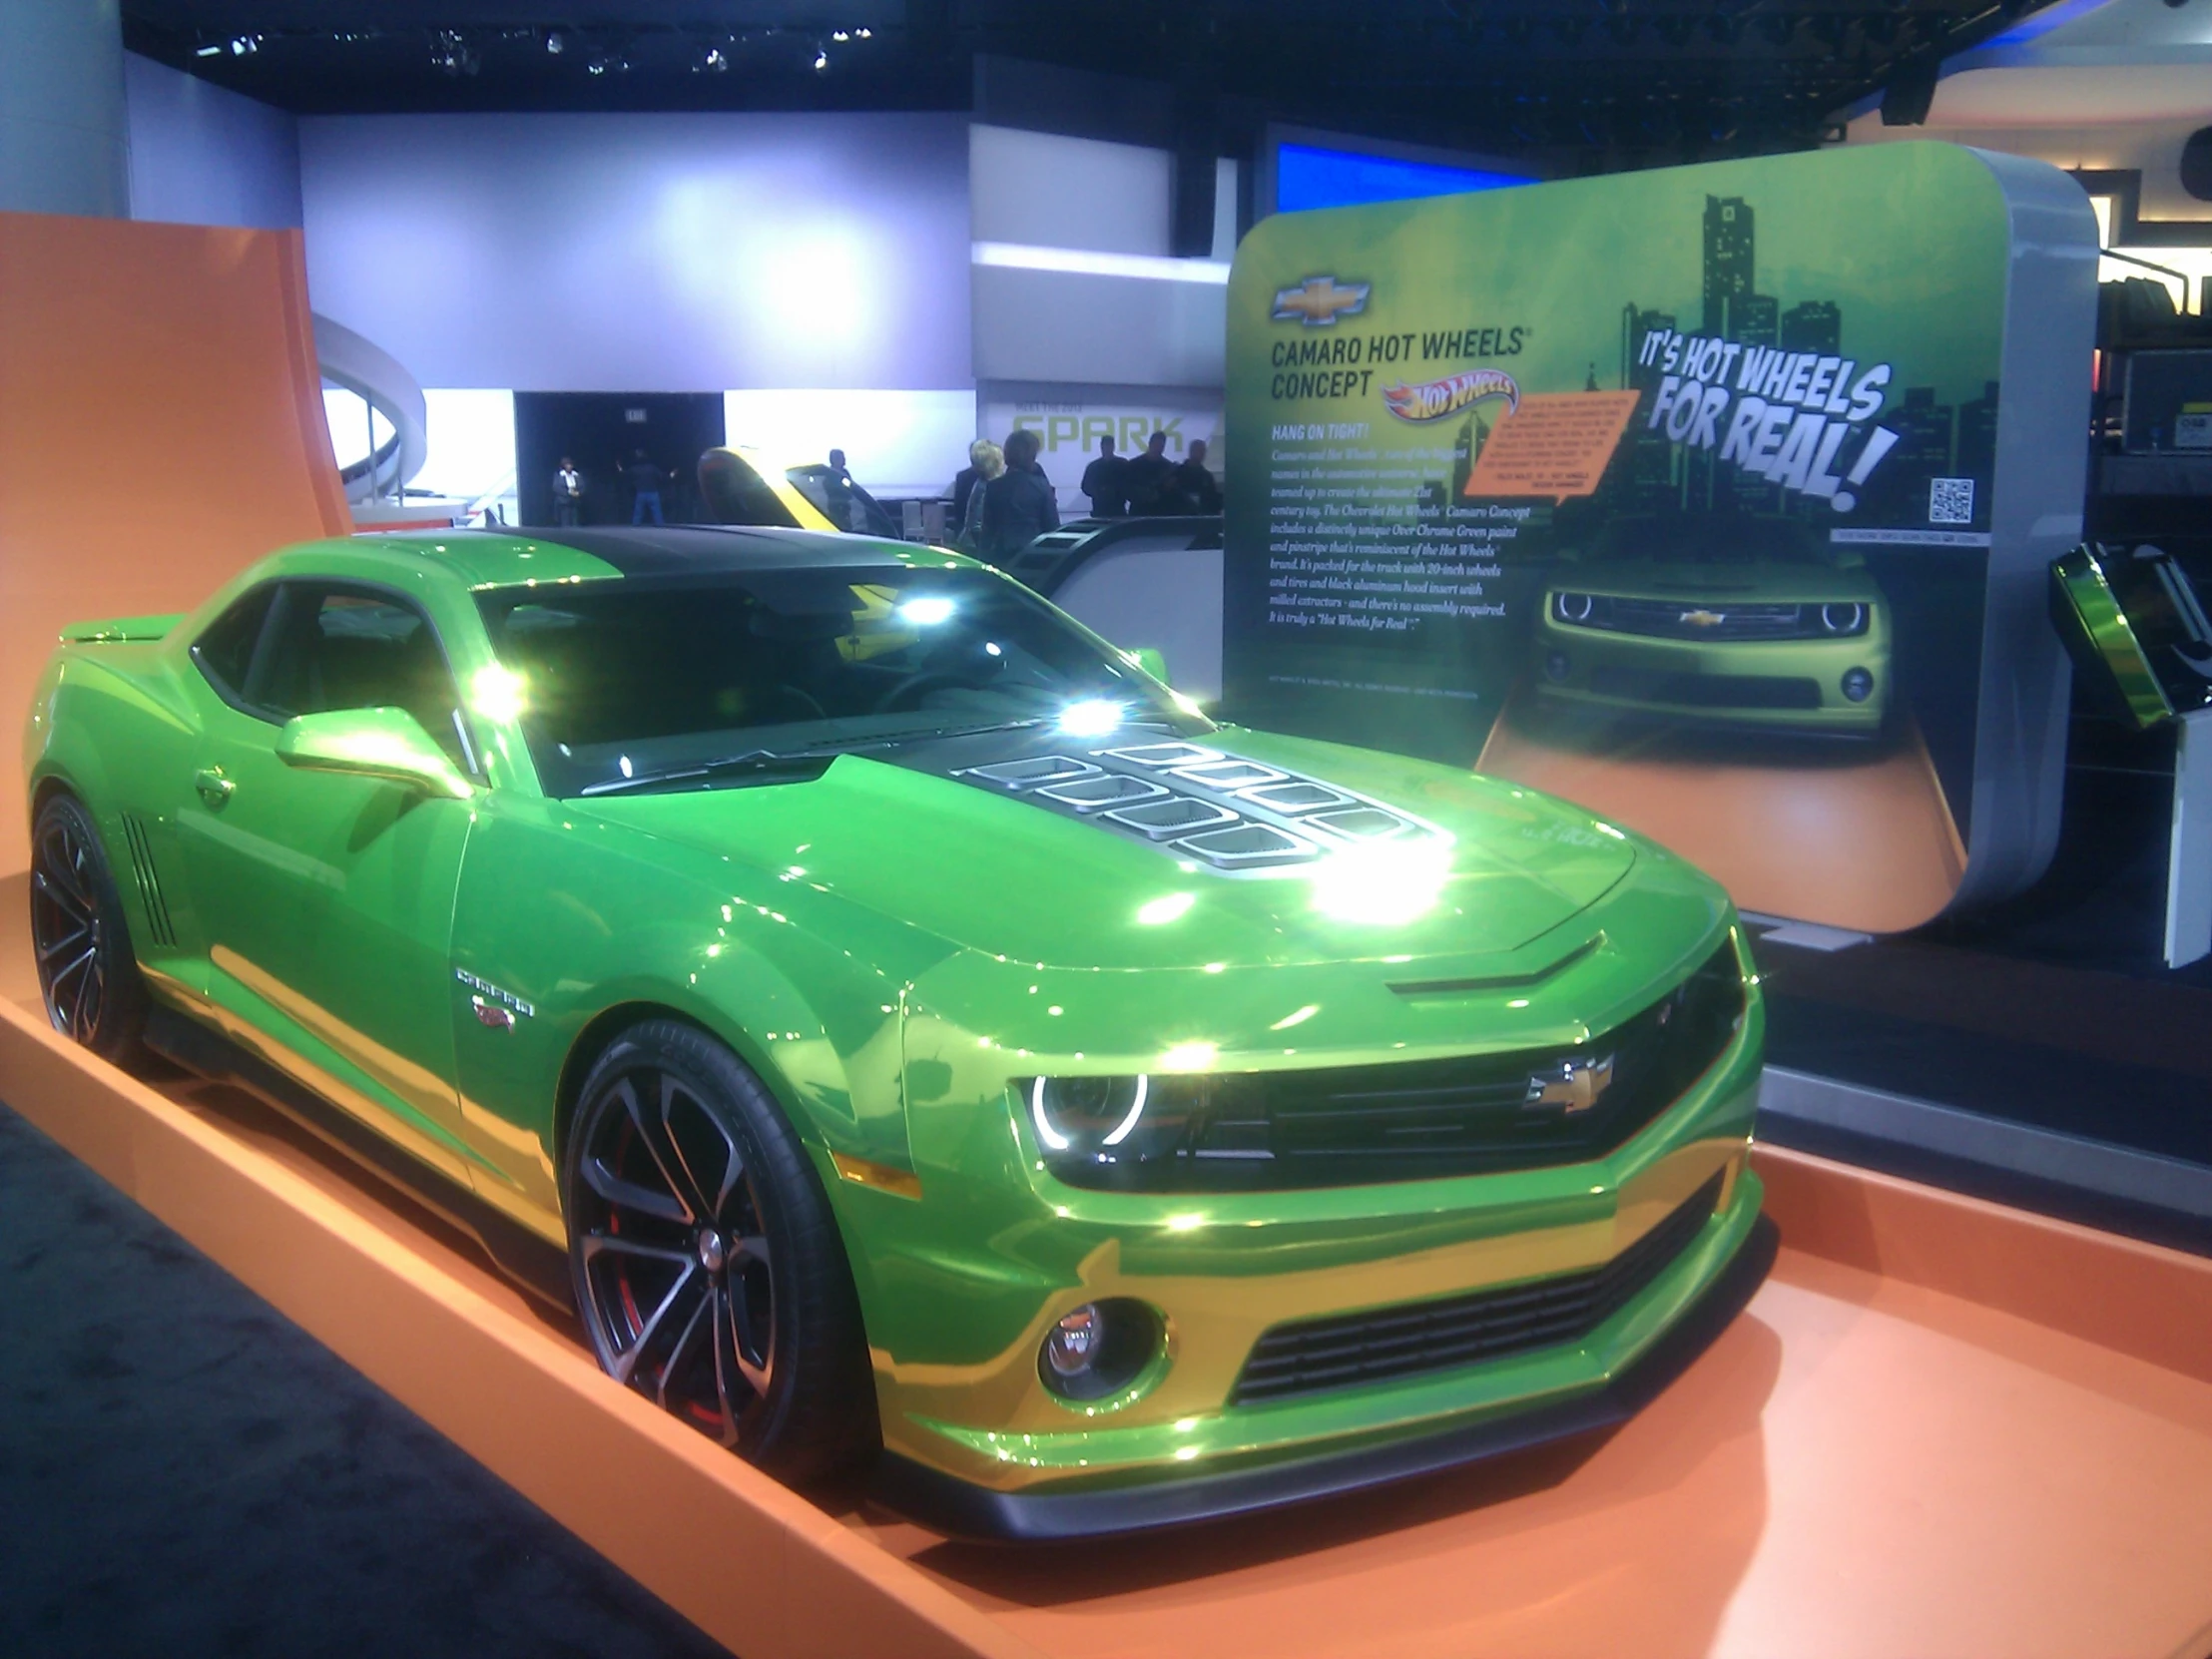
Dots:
{"x": 148, "y": 880}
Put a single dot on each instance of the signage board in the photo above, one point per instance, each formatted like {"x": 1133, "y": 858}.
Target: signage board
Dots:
{"x": 1718, "y": 498}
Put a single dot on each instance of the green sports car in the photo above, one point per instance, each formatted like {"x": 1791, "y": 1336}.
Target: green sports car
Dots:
{"x": 1726, "y": 620}
{"x": 911, "y": 1032}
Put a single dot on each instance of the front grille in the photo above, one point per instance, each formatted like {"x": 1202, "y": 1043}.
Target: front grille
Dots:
{"x": 1416, "y": 1338}
{"x": 1674, "y": 619}
{"x": 1708, "y": 690}
{"x": 1344, "y": 1126}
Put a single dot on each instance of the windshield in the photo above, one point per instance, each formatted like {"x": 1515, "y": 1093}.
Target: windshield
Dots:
{"x": 640, "y": 684}
{"x": 1708, "y": 539}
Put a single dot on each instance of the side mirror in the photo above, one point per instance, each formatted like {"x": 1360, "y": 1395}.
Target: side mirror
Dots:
{"x": 372, "y": 743}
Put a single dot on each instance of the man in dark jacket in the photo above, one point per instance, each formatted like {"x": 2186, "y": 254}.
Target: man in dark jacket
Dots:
{"x": 1150, "y": 476}
{"x": 1106, "y": 482}
{"x": 1020, "y": 505}
{"x": 1194, "y": 481}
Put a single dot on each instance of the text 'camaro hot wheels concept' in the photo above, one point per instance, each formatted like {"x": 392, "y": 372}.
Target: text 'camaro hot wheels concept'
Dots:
{"x": 920, "y": 1028}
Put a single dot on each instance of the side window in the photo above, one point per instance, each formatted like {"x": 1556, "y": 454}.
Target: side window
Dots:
{"x": 224, "y": 652}
{"x": 340, "y": 649}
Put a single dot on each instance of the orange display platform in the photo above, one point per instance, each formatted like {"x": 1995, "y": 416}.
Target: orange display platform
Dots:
{"x": 1941, "y": 1428}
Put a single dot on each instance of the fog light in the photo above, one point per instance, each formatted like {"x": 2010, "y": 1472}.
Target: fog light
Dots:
{"x": 1556, "y": 666}
{"x": 1098, "y": 1348}
{"x": 1858, "y": 684}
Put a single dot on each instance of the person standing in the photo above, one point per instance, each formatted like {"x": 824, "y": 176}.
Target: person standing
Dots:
{"x": 989, "y": 462}
{"x": 837, "y": 492}
{"x": 1150, "y": 476}
{"x": 568, "y": 493}
{"x": 1018, "y": 505}
{"x": 965, "y": 480}
{"x": 1106, "y": 482}
{"x": 645, "y": 479}
{"x": 1194, "y": 481}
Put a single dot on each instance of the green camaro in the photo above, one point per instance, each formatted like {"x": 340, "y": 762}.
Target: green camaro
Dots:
{"x": 1719, "y": 619}
{"x": 927, "y": 1038}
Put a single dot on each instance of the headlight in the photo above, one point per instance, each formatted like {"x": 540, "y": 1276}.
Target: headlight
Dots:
{"x": 1843, "y": 619}
{"x": 1108, "y": 1119}
{"x": 1572, "y": 607}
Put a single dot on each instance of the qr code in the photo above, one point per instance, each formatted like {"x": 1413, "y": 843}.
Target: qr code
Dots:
{"x": 1951, "y": 501}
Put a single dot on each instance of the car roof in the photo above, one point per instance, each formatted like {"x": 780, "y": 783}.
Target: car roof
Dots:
{"x": 494, "y": 558}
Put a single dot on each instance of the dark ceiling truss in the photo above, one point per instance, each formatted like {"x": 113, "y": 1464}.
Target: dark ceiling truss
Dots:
{"x": 1571, "y": 85}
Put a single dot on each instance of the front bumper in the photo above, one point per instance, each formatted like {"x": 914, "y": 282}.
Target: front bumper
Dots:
{"x": 1795, "y": 684}
{"x": 1726, "y": 1269}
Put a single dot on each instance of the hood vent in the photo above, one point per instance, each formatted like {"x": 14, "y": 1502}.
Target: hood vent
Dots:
{"x": 1236, "y": 816}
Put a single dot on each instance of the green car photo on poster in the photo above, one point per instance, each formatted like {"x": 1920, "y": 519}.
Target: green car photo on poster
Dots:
{"x": 1642, "y": 489}
{"x": 1736, "y": 621}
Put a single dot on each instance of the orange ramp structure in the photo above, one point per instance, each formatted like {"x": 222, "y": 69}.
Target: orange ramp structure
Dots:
{"x": 161, "y": 427}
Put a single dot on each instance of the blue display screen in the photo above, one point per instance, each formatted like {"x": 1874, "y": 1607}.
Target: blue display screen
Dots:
{"x": 1305, "y": 176}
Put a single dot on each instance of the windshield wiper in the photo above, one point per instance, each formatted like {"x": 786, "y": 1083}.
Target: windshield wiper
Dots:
{"x": 752, "y": 759}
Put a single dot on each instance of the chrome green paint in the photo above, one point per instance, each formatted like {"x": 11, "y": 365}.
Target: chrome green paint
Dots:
{"x": 2101, "y": 622}
{"x": 386, "y": 744}
{"x": 120, "y": 630}
{"x": 1823, "y": 660}
{"x": 890, "y": 951}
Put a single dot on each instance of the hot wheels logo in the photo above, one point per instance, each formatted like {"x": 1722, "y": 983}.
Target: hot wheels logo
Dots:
{"x": 1433, "y": 399}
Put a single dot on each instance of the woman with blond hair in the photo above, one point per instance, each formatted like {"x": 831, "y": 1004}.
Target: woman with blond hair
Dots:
{"x": 965, "y": 480}
{"x": 987, "y": 461}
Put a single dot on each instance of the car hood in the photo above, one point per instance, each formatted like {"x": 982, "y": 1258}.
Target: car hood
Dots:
{"x": 1000, "y": 874}
{"x": 1742, "y": 583}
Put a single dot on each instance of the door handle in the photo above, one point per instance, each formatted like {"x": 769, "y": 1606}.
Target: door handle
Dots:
{"x": 213, "y": 787}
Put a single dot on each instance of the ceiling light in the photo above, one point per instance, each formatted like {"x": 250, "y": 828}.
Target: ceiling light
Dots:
{"x": 245, "y": 46}
{"x": 840, "y": 33}
{"x": 207, "y": 51}
{"x": 556, "y": 42}
{"x": 822, "y": 60}
{"x": 712, "y": 62}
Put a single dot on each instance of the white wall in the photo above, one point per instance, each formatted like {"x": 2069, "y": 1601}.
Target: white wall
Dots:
{"x": 1086, "y": 326}
{"x": 203, "y": 156}
{"x": 646, "y": 253}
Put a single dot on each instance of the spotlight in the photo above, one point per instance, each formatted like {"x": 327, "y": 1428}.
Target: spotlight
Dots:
{"x": 213, "y": 51}
{"x": 245, "y": 46}
{"x": 840, "y": 35}
{"x": 822, "y": 60}
{"x": 712, "y": 62}
{"x": 864, "y": 34}
{"x": 556, "y": 42}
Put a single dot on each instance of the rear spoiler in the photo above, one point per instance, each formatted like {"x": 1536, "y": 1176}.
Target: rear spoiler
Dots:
{"x": 121, "y": 629}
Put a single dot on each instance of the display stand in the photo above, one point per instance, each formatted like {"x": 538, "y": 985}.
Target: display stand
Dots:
{"x": 2189, "y": 858}
{"x": 1941, "y": 1427}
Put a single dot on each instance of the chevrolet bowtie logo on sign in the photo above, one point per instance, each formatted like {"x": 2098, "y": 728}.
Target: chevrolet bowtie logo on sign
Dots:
{"x": 1570, "y": 1086}
{"x": 1704, "y": 619}
{"x": 1320, "y": 301}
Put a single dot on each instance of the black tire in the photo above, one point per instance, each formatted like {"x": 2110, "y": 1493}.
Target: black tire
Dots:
{"x": 88, "y": 973}
{"x": 706, "y": 1264}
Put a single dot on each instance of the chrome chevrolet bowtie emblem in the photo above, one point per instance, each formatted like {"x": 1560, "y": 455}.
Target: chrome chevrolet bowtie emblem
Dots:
{"x": 1319, "y": 302}
{"x": 1704, "y": 619}
{"x": 1569, "y": 1086}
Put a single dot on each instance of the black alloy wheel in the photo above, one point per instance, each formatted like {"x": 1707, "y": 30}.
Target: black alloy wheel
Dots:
{"x": 87, "y": 974}
{"x": 706, "y": 1262}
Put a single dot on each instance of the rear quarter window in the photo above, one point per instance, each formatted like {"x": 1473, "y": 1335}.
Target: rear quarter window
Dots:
{"x": 224, "y": 651}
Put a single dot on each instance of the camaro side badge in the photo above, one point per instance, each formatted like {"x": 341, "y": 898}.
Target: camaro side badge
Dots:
{"x": 494, "y": 1007}
{"x": 1571, "y": 1086}
{"x": 1319, "y": 302}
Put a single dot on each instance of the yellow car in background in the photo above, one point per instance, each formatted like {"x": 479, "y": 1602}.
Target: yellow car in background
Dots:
{"x": 1719, "y": 619}
{"x": 742, "y": 485}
